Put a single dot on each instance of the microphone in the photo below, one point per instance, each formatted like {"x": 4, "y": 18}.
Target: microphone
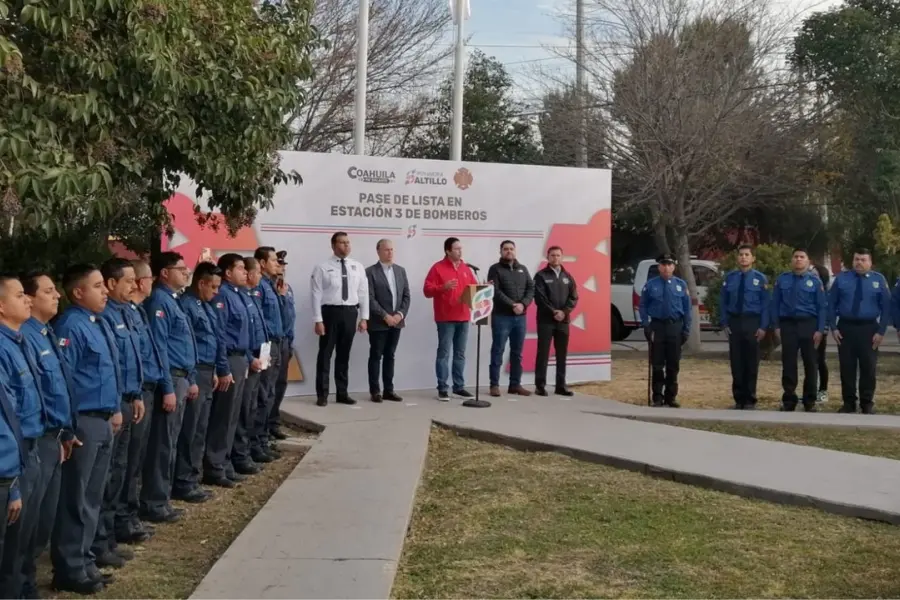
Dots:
{"x": 473, "y": 267}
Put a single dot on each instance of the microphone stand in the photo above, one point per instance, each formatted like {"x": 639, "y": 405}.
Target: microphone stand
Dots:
{"x": 477, "y": 402}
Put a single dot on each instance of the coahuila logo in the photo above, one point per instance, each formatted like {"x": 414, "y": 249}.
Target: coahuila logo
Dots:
{"x": 425, "y": 178}
{"x": 371, "y": 176}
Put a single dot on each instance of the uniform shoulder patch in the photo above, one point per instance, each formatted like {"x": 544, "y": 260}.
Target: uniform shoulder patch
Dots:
{"x": 159, "y": 314}
{"x": 220, "y": 305}
{"x": 63, "y": 342}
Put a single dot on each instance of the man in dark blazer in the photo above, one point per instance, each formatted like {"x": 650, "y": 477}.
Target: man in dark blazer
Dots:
{"x": 389, "y": 306}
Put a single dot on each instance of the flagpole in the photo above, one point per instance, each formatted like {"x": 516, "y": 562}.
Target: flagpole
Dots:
{"x": 362, "y": 65}
{"x": 459, "y": 69}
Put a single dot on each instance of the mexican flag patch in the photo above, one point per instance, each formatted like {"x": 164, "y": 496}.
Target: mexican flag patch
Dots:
{"x": 63, "y": 342}
{"x": 160, "y": 314}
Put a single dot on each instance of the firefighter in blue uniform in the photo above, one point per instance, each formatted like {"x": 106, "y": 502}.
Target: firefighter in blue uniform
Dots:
{"x": 665, "y": 310}
{"x": 270, "y": 305}
{"x": 12, "y": 460}
{"x": 288, "y": 320}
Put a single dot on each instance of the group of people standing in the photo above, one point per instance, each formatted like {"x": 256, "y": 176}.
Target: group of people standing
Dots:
{"x": 149, "y": 384}
{"x": 347, "y": 297}
{"x": 802, "y": 310}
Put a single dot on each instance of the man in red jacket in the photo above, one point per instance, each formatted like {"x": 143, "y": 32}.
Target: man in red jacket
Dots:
{"x": 445, "y": 283}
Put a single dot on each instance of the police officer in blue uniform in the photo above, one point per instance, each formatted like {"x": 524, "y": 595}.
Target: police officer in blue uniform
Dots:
{"x": 119, "y": 277}
{"x": 744, "y": 303}
{"x": 665, "y": 310}
{"x": 19, "y": 375}
{"x": 129, "y": 528}
{"x": 288, "y": 320}
{"x": 178, "y": 351}
{"x": 234, "y": 327}
{"x": 12, "y": 459}
{"x": 242, "y": 458}
{"x": 270, "y": 303}
{"x": 210, "y": 359}
{"x": 58, "y": 441}
{"x": 798, "y": 315}
{"x": 90, "y": 351}
{"x": 859, "y": 308}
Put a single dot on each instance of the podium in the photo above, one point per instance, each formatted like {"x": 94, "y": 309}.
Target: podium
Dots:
{"x": 480, "y": 300}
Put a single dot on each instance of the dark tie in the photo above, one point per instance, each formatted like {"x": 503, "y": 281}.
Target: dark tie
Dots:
{"x": 740, "y": 296}
{"x": 857, "y": 297}
{"x": 667, "y": 300}
{"x": 345, "y": 287}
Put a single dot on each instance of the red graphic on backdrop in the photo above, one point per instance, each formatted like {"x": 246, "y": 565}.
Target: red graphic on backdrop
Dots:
{"x": 212, "y": 235}
{"x": 581, "y": 243}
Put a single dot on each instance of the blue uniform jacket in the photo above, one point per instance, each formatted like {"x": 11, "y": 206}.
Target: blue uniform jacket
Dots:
{"x": 54, "y": 379}
{"x": 12, "y": 446}
{"x": 172, "y": 332}
{"x": 259, "y": 333}
{"x": 19, "y": 375}
{"x": 798, "y": 296}
{"x": 151, "y": 357}
{"x": 875, "y": 302}
{"x": 203, "y": 319}
{"x": 666, "y": 299}
{"x": 234, "y": 320}
{"x": 288, "y": 314}
{"x": 756, "y": 296}
{"x": 271, "y": 308}
{"x": 121, "y": 319}
{"x": 90, "y": 351}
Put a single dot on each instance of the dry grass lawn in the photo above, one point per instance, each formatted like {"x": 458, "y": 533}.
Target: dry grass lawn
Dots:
{"x": 491, "y": 522}
{"x": 706, "y": 382}
{"x": 175, "y": 560}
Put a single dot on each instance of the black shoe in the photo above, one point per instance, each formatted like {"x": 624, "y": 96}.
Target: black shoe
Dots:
{"x": 787, "y": 407}
{"x": 220, "y": 481}
{"x": 247, "y": 468}
{"x": 750, "y": 406}
{"x": 345, "y": 400}
{"x": 443, "y": 397}
{"x": 273, "y": 451}
{"x": 658, "y": 404}
{"x": 737, "y": 407}
{"x": 539, "y": 391}
{"x": 810, "y": 407}
{"x": 322, "y": 402}
{"x": 110, "y": 559}
{"x": 376, "y": 398}
{"x": 261, "y": 456}
{"x": 30, "y": 591}
{"x": 563, "y": 391}
{"x": 236, "y": 477}
{"x": 166, "y": 517}
{"x": 673, "y": 404}
{"x": 278, "y": 434}
{"x": 464, "y": 394}
{"x": 392, "y": 397}
{"x": 94, "y": 574}
{"x": 868, "y": 409}
{"x": 847, "y": 409}
{"x": 133, "y": 537}
{"x": 194, "y": 496}
{"x": 125, "y": 553}
{"x": 85, "y": 587}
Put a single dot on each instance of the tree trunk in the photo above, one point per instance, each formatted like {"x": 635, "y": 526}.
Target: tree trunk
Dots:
{"x": 662, "y": 240}
{"x": 687, "y": 273}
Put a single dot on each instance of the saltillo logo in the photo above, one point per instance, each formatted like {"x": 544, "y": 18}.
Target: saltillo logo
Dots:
{"x": 425, "y": 178}
{"x": 367, "y": 176}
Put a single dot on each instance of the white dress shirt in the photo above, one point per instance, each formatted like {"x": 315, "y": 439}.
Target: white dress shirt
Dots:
{"x": 325, "y": 287}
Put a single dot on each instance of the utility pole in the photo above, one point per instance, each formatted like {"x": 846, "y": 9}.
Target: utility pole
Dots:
{"x": 362, "y": 73}
{"x": 580, "y": 95}
{"x": 459, "y": 69}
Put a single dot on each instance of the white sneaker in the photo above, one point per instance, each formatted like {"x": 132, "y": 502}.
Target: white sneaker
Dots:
{"x": 822, "y": 397}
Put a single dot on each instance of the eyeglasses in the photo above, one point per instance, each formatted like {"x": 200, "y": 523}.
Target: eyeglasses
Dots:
{"x": 182, "y": 269}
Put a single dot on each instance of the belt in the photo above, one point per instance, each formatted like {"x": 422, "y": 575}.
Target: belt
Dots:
{"x": 179, "y": 372}
{"x": 667, "y": 321}
{"x": 149, "y": 386}
{"x": 344, "y": 306}
{"x": 206, "y": 365}
{"x": 850, "y": 321}
{"x": 798, "y": 319}
{"x": 97, "y": 414}
{"x": 739, "y": 315}
{"x": 256, "y": 354}
{"x": 276, "y": 340}
{"x": 237, "y": 352}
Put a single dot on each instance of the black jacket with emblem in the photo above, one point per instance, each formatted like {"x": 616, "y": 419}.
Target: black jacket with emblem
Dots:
{"x": 512, "y": 285}
{"x": 552, "y": 292}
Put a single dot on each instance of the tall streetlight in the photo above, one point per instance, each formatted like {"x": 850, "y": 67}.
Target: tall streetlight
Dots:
{"x": 461, "y": 10}
{"x": 362, "y": 69}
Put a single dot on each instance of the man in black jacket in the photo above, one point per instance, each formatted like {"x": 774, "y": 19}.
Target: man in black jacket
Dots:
{"x": 556, "y": 295}
{"x": 513, "y": 292}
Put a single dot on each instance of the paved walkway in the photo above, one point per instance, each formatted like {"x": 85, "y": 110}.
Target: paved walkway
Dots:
{"x": 335, "y": 528}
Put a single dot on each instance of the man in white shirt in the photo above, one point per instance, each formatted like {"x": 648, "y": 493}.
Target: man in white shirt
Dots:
{"x": 340, "y": 304}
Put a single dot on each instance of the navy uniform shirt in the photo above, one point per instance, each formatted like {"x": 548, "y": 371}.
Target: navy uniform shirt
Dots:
{"x": 288, "y": 314}
{"x": 874, "y": 303}
{"x": 798, "y": 296}
{"x": 203, "y": 319}
{"x": 12, "y": 446}
{"x": 259, "y": 333}
{"x": 54, "y": 379}
{"x": 19, "y": 375}
{"x": 120, "y": 318}
{"x": 172, "y": 333}
{"x": 90, "y": 351}
{"x": 664, "y": 299}
{"x": 271, "y": 308}
{"x": 151, "y": 357}
{"x": 234, "y": 320}
{"x": 756, "y": 299}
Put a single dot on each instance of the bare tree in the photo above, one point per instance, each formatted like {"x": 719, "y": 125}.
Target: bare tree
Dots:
{"x": 704, "y": 116}
{"x": 407, "y": 43}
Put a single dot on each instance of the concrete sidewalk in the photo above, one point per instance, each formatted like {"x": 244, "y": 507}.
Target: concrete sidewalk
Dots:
{"x": 335, "y": 528}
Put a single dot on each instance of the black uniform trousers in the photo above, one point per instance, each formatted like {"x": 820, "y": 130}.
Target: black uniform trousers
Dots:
{"x": 382, "y": 346}
{"x": 743, "y": 353}
{"x": 340, "y": 328}
{"x": 856, "y": 354}
{"x": 797, "y": 336}
{"x": 665, "y": 358}
{"x": 558, "y": 333}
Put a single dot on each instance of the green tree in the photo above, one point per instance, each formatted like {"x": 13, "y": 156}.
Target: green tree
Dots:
{"x": 560, "y": 125}
{"x": 104, "y": 103}
{"x": 493, "y": 131}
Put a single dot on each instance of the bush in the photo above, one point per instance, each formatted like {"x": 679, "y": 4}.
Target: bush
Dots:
{"x": 772, "y": 260}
